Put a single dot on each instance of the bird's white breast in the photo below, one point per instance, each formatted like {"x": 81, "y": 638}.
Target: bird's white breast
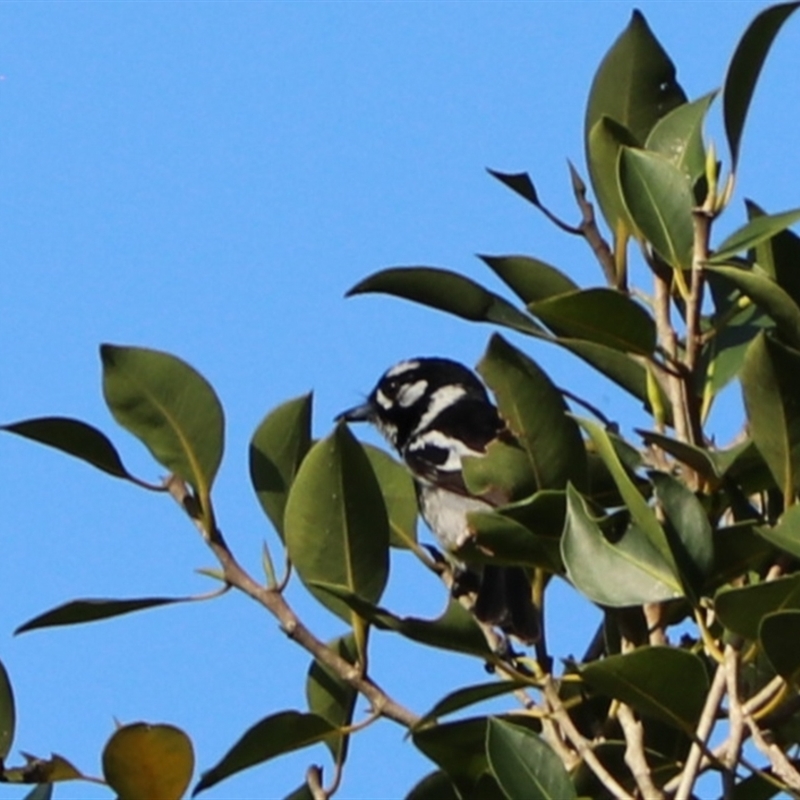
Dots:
{"x": 446, "y": 514}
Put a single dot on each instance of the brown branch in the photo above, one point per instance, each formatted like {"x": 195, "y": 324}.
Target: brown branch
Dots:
{"x": 735, "y": 720}
{"x": 591, "y": 232}
{"x": 635, "y": 756}
{"x": 274, "y": 602}
{"x": 781, "y": 765}
{"x": 704, "y": 728}
{"x": 581, "y": 744}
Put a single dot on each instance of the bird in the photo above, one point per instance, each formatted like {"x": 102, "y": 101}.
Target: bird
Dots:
{"x": 434, "y": 412}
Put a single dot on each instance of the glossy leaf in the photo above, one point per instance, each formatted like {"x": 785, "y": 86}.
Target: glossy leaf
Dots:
{"x": 170, "y": 407}
{"x": 640, "y": 511}
{"x": 741, "y": 610}
{"x": 678, "y": 136}
{"x": 524, "y": 765}
{"x": 8, "y": 715}
{"x": 142, "y": 761}
{"x": 738, "y": 550}
{"x": 635, "y": 83}
{"x": 634, "y": 87}
{"x": 689, "y": 531}
{"x": 499, "y": 539}
{"x": 75, "y": 438}
{"x": 447, "y": 291}
{"x": 332, "y": 698}
{"x": 768, "y": 296}
{"x": 659, "y": 199}
{"x": 278, "y": 447}
{"x": 606, "y": 140}
{"x": 779, "y": 256}
{"x": 628, "y": 572}
{"x": 584, "y": 314}
{"x": 697, "y": 458}
{"x": 779, "y": 634}
{"x": 535, "y": 412}
{"x": 455, "y": 630}
{"x": 335, "y": 524}
{"x": 786, "y": 534}
{"x": 756, "y": 230}
{"x": 770, "y": 397}
{"x": 529, "y": 278}
{"x": 434, "y": 786}
{"x": 745, "y": 68}
{"x": 502, "y": 474}
{"x": 273, "y": 736}
{"x": 77, "y": 612}
{"x": 468, "y": 696}
{"x": 399, "y": 494}
{"x": 667, "y": 683}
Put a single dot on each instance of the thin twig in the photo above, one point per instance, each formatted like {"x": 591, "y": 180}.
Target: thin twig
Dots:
{"x": 704, "y": 728}
{"x": 735, "y": 721}
{"x": 781, "y": 765}
{"x": 580, "y": 743}
{"x": 634, "y": 754}
{"x": 275, "y": 603}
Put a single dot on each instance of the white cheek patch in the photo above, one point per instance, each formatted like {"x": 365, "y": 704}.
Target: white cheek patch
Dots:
{"x": 454, "y": 448}
{"x": 399, "y": 369}
{"x": 409, "y": 394}
{"x": 440, "y": 399}
{"x": 382, "y": 400}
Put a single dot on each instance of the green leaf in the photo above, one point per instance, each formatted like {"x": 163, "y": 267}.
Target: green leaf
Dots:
{"x": 584, "y": 314}
{"x": 8, "y": 715}
{"x": 667, "y": 683}
{"x": 640, "y": 511}
{"x": 786, "y": 534}
{"x": 757, "y": 230}
{"x": 741, "y": 610}
{"x": 779, "y": 634}
{"x": 145, "y": 761}
{"x": 697, "y": 458}
{"x": 535, "y": 412}
{"x": 335, "y": 524}
{"x": 91, "y": 610}
{"x": 529, "y": 278}
{"x": 502, "y": 474}
{"x": 399, "y": 494}
{"x": 769, "y": 297}
{"x": 634, "y": 87}
{"x": 43, "y": 771}
{"x": 773, "y": 413}
{"x": 779, "y": 255}
{"x": 273, "y": 736}
{"x": 75, "y": 438}
{"x": 635, "y": 84}
{"x": 659, "y": 199}
{"x": 738, "y": 550}
{"x": 43, "y": 791}
{"x": 625, "y": 573}
{"x": 455, "y": 630}
{"x": 689, "y": 532}
{"x": 278, "y": 447}
{"x": 332, "y": 698}
{"x": 468, "y": 696}
{"x": 606, "y": 140}
{"x": 447, "y": 291}
{"x": 678, "y": 136}
{"x": 170, "y": 407}
{"x": 434, "y": 786}
{"x": 525, "y": 767}
{"x": 519, "y": 182}
{"x": 745, "y": 68}
{"x": 499, "y": 539}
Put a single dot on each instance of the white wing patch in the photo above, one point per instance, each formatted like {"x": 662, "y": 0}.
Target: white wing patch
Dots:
{"x": 440, "y": 400}
{"x": 410, "y": 393}
{"x": 454, "y": 448}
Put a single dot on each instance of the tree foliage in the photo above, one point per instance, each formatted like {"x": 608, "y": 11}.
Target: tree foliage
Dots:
{"x": 659, "y": 527}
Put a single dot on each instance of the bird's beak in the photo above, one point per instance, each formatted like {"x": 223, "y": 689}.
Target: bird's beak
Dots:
{"x": 363, "y": 413}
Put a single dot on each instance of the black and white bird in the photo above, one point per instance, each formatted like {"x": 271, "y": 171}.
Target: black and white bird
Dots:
{"x": 434, "y": 412}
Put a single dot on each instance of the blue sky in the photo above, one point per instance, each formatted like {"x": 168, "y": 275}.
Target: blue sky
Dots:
{"x": 209, "y": 179}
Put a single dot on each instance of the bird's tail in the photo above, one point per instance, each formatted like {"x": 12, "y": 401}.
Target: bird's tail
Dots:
{"x": 504, "y": 600}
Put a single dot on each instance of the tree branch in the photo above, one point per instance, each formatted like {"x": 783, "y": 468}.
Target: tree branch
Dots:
{"x": 634, "y": 754}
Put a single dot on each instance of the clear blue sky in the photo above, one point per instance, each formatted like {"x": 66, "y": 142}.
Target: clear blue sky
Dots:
{"x": 209, "y": 179}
